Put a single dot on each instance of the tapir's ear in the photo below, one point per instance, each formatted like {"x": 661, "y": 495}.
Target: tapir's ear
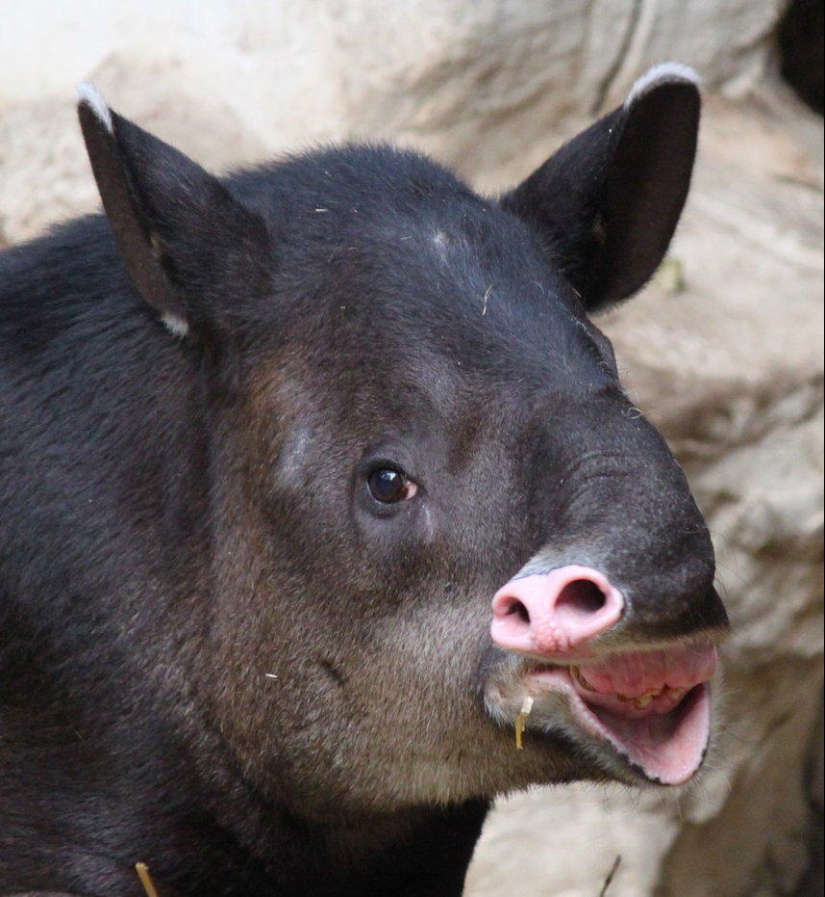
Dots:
{"x": 181, "y": 235}
{"x": 607, "y": 203}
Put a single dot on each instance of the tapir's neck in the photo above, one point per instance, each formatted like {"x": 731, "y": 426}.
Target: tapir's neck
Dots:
{"x": 423, "y": 852}
{"x": 218, "y": 837}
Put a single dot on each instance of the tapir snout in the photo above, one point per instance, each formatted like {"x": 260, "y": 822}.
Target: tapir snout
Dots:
{"x": 617, "y": 609}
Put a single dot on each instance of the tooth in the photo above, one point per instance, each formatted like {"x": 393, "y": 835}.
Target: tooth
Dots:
{"x": 644, "y": 701}
{"x": 676, "y": 694}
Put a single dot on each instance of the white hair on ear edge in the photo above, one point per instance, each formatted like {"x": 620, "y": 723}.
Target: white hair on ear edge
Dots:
{"x": 175, "y": 325}
{"x": 93, "y": 98}
{"x": 666, "y": 73}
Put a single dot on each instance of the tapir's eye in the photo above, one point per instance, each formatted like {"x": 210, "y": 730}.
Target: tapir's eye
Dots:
{"x": 389, "y": 486}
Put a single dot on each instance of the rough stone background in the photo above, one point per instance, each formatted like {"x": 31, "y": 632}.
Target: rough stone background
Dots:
{"x": 723, "y": 350}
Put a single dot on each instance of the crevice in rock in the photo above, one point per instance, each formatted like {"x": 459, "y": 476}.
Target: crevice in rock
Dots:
{"x": 617, "y": 65}
{"x": 800, "y": 40}
{"x": 813, "y": 883}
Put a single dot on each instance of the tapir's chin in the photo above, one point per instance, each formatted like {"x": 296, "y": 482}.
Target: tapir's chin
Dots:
{"x": 645, "y": 713}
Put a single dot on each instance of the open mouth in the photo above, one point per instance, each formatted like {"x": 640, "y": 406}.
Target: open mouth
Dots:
{"x": 651, "y": 707}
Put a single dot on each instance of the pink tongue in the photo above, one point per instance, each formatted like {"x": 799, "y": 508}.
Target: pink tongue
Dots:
{"x": 633, "y": 675}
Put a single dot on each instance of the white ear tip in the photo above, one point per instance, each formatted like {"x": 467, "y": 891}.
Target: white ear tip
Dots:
{"x": 89, "y": 95}
{"x": 666, "y": 73}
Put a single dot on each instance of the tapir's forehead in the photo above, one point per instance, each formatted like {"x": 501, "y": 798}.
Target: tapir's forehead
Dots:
{"x": 388, "y": 262}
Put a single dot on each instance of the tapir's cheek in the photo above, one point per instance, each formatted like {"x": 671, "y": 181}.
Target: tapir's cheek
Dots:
{"x": 392, "y": 534}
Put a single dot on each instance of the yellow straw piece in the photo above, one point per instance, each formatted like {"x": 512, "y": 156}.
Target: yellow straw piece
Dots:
{"x": 146, "y": 880}
{"x": 521, "y": 719}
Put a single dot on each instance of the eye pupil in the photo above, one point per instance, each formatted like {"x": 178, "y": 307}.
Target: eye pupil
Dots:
{"x": 388, "y": 485}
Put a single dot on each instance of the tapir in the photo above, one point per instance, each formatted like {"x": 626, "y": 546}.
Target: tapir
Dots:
{"x": 325, "y": 518}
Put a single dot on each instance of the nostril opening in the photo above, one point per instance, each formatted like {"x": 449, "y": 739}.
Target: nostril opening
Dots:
{"x": 582, "y": 596}
{"x": 517, "y": 609}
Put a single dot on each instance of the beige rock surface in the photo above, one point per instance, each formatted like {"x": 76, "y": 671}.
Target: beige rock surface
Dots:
{"x": 723, "y": 351}
{"x": 483, "y": 84}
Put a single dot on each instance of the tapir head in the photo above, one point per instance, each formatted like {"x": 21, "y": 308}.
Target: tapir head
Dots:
{"x": 437, "y": 524}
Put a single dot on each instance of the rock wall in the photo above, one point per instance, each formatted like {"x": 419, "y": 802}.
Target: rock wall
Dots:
{"x": 723, "y": 351}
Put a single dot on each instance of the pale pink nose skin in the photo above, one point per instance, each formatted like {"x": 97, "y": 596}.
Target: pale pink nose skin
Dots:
{"x": 556, "y": 613}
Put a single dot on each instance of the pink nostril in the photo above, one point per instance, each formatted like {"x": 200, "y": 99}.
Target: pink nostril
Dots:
{"x": 553, "y": 613}
{"x": 582, "y": 596}
{"x": 516, "y": 609}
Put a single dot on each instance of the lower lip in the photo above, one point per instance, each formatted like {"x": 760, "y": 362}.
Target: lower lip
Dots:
{"x": 669, "y": 751}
